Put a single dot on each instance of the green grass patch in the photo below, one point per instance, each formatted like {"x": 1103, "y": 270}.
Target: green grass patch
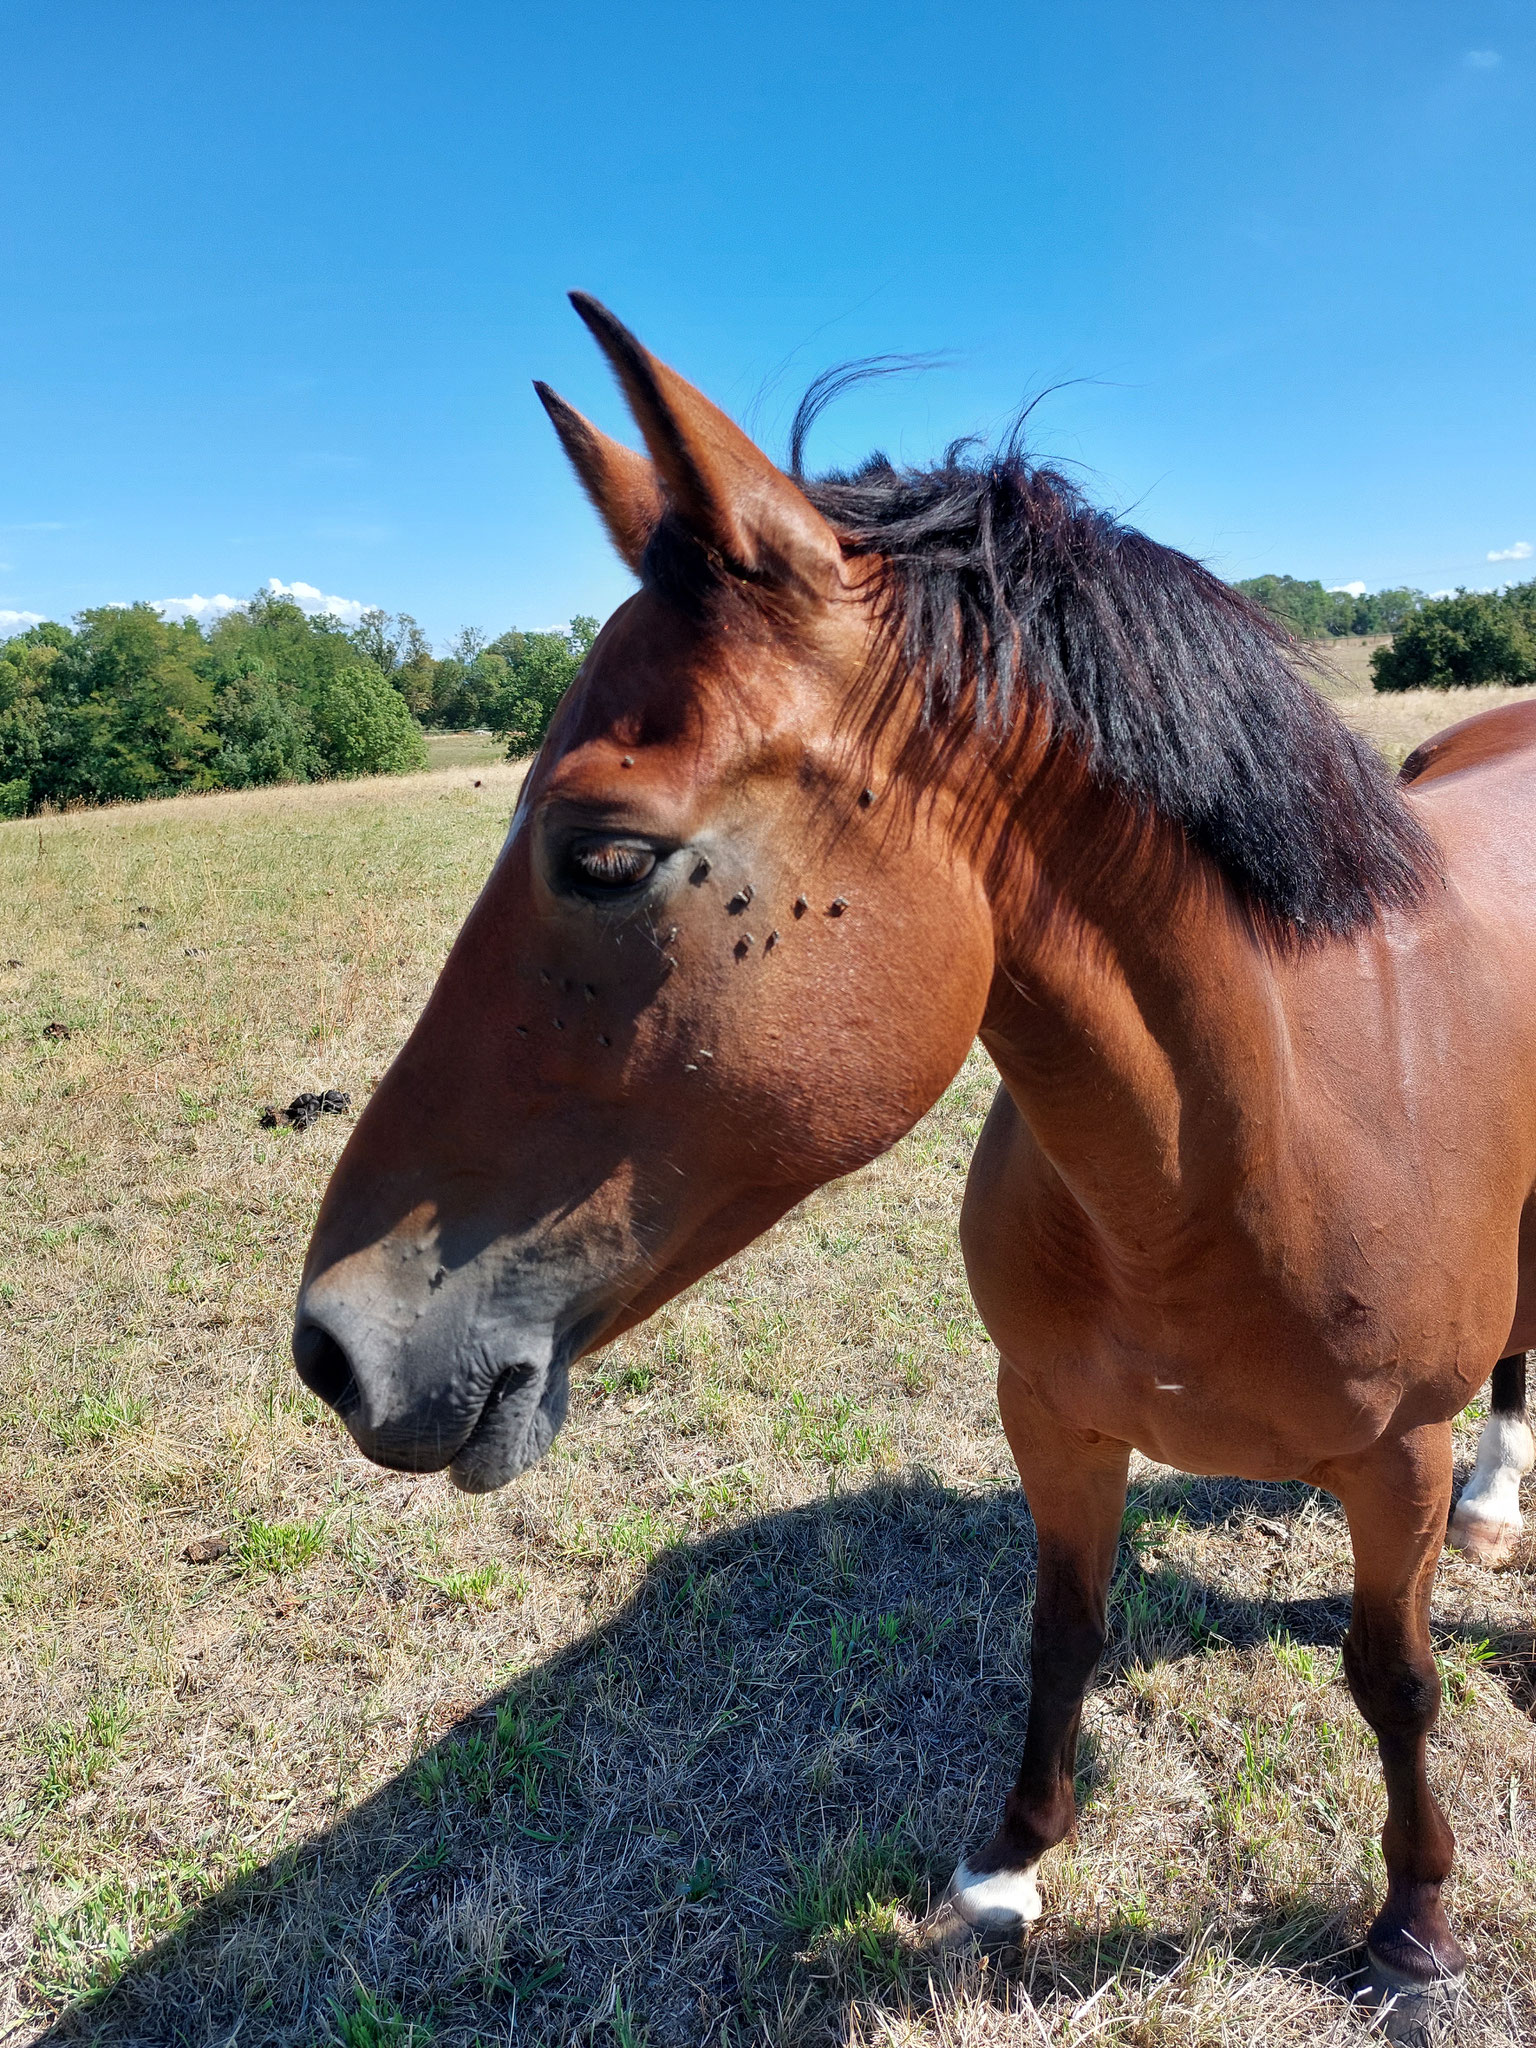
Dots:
{"x": 726, "y": 1494}
{"x": 368, "y": 2021}
{"x": 843, "y": 1905}
{"x": 633, "y": 1537}
{"x": 625, "y": 1376}
{"x": 276, "y": 1549}
{"x": 76, "y": 1753}
{"x": 481, "y": 1585}
{"x": 514, "y": 1758}
{"x": 95, "y": 1419}
{"x": 1313, "y": 1667}
{"x": 1458, "y": 1665}
{"x": 831, "y": 1431}
{"x": 79, "y": 1953}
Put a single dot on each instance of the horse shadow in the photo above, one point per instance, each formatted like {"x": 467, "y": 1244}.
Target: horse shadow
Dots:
{"x": 714, "y": 1818}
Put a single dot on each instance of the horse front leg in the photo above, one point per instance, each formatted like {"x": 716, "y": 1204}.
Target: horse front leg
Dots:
{"x": 1486, "y": 1524}
{"x": 1076, "y": 1494}
{"x": 1395, "y": 1497}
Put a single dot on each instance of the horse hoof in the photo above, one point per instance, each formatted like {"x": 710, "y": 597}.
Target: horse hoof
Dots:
{"x": 1406, "y": 2009}
{"x": 1483, "y": 1539}
{"x": 992, "y": 1905}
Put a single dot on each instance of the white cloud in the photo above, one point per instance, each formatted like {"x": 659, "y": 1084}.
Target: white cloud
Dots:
{"x": 17, "y": 622}
{"x": 310, "y": 600}
{"x": 1482, "y": 60}
{"x": 1348, "y": 589}
{"x": 203, "y": 609}
{"x": 1520, "y": 552}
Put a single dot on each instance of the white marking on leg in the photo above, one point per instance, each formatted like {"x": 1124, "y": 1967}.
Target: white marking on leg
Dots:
{"x": 994, "y": 1902}
{"x": 1487, "y": 1522}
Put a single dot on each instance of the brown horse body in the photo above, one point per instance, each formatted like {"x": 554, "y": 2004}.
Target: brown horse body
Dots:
{"x": 1249, "y": 1199}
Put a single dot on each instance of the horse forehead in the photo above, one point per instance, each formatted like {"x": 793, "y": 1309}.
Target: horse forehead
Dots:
{"x": 738, "y": 653}
{"x": 690, "y": 718}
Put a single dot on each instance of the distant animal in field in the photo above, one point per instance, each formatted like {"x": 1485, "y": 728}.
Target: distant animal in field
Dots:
{"x": 877, "y": 762}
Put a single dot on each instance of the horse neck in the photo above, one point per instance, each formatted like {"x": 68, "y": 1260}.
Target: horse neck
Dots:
{"x": 1135, "y": 1016}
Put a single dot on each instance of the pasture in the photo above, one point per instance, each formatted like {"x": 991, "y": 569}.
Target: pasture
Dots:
{"x": 667, "y": 1742}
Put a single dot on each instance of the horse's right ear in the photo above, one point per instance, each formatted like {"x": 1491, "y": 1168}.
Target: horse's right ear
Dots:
{"x": 621, "y": 484}
{"x": 721, "y": 487}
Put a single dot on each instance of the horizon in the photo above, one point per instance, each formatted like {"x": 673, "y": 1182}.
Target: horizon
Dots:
{"x": 283, "y": 332}
{"x": 205, "y": 613}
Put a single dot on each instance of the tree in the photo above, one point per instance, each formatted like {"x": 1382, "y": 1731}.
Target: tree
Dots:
{"x": 126, "y": 705}
{"x": 540, "y": 668}
{"x": 1383, "y": 611}
{"x": 269, "y": 633}
{"x": 1475, "y": 636}
{"x": 26, "y": 661}
{"x": 399, "y": 649}
{"x": 265, "y": 733}
{"x": 129, "y": 711}
{"x": 464, "y": 682}
{"x": 1302, "y": 607}
{"x": 362, "y": 726}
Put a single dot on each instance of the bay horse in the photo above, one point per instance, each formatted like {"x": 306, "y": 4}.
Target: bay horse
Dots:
{"x": 877, "y": 763}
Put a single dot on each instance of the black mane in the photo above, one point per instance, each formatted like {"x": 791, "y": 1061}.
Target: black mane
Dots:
{"x": 1003, "y": 583}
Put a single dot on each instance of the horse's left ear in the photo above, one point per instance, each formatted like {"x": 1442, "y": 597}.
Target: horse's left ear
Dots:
{"x": 719, "y": 483}
{"x": 621, "y": 484}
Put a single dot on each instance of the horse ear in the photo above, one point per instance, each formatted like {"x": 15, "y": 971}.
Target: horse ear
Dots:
{"x": 720, "y": 484}
{"x": 621, "y": 484}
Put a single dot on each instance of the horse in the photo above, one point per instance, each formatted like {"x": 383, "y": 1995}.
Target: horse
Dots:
{"x": 876, "y": 763}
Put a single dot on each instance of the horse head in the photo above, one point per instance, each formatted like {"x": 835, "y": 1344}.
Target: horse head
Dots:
{"x": 732, "y": 947}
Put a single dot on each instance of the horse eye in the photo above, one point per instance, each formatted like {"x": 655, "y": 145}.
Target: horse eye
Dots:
{"x": 609, "y": 863}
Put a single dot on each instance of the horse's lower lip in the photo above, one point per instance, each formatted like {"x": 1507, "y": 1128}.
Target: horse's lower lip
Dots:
{"x": 506, "y": 1382}
{"x": 523, "y": 1410}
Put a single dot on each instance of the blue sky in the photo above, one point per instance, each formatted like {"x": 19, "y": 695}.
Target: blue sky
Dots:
{"x": 277, "y": 277}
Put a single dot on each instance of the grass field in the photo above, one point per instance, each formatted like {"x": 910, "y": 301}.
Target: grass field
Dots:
{"x": 668, "y": 1742}
{"x": 462, "y": 749}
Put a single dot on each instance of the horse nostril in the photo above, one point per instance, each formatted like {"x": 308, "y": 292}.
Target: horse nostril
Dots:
{"x": 324, "y": 1367}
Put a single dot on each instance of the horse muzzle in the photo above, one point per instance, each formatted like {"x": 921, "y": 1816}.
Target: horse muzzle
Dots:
{"x": 434, "y": 1390}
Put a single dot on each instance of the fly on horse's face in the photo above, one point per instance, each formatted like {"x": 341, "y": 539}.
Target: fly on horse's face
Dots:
{"x": 721, "y": 959}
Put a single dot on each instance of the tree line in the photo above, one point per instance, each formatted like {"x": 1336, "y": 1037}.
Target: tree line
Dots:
{"x": 124, "y": 705}
{"x": 1456, "y": 641}
{"x": 1313, "y": 613}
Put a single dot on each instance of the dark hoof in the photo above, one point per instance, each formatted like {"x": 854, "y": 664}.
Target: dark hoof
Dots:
{"x": 1409, "y": 2007}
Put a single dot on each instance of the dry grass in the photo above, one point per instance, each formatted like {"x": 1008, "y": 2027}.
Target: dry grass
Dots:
{"x": 668, "y": 1742}
{"x": 1346, "y": 662}
{"x": 1397, "y": 720}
